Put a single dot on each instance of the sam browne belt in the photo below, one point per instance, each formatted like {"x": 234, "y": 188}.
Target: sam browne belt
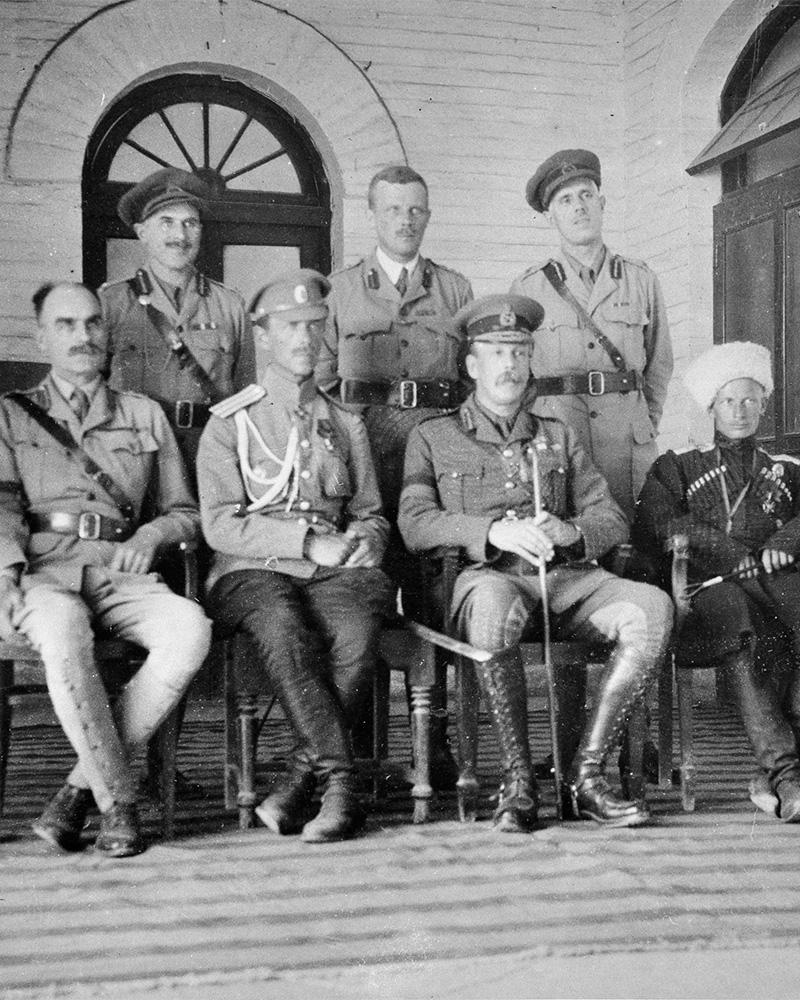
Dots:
{"x": 436, "y": 394}
{"x": 590, "y": 384}
{"x": 88, "y": 525}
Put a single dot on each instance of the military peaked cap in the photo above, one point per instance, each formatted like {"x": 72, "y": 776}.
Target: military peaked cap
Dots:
{"x": 497, "y": 319}
{"x": 557, "y": 170}
{"x": 164, "y": 187}
{"x": 294, "y": 296}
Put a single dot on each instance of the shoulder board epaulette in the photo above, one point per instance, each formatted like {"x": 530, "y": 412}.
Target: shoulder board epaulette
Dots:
{"x": 344, "y": 270}
{"x": 203, "y": 281}
{"x": 444, "y": 267}
{"x": 114, "y": 283}
{"x": 246, "y": 397}
{"x": 38, "y": 393}
{"x": 781, "y": 458}
{"x": 532, "y": 270}
{"x": 688, "y": 448}
{"x": 635, "y": 261}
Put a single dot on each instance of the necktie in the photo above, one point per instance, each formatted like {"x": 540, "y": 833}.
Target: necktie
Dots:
{"x": 402, "y": 282}
{"x": 178, "y": 300}
{"x": 80, "y": 404}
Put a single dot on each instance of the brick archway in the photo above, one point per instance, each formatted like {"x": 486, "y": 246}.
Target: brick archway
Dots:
{"x": 266, "y": 48}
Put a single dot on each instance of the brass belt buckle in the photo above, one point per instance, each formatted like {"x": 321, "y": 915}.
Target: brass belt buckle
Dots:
{"x": 89, "y": 526}
{"x": 597, "y": 383}
{"x": 408, "y": 387}
{"x": 184, "y": 414}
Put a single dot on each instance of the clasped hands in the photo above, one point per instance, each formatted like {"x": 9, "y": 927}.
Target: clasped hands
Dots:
{"x": 533, "y": 538}
{"x": 352, "y": 549}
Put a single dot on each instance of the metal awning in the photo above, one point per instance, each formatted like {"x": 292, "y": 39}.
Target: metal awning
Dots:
{"x": 766, "y": 115}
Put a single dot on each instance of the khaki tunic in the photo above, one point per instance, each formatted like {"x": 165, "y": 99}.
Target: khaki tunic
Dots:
{"x": 461, "y": 475}
{"x": 374, "y": 335}
{"x": 215, "y": 327}
{"x": 617, "y": 430}
{"x": 128, "y": 436}
{"x": 334, "y": 480}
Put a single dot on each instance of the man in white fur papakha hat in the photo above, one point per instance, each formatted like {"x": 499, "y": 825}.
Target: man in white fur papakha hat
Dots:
{"x": 740, "y": 508}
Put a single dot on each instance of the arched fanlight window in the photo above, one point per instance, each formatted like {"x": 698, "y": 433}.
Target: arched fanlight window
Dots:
{"x": 271, "y": 201}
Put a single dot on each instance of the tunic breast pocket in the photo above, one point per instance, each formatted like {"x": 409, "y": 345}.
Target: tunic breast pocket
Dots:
{"x": 38, "y": 464}
{"x": 463, "y": 490}
{"x": 625, "y": 321}
{"x": 211, "y": 351}
{"x": 127, "y": 364}
{"x": 335, "y": 477}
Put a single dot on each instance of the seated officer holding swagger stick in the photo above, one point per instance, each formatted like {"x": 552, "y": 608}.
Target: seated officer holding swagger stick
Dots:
{"x": 740, "y": 509}
{"x": 470, "y": 481}
{"x": 92, "y": 490}
{"x": 291, "y": 508}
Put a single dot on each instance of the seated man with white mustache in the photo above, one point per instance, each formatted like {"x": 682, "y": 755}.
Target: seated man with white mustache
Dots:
{"x": 471, "y": 481}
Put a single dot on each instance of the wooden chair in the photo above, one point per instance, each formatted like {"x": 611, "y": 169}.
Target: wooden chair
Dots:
{"x": 120, "y": 660}
{"x": 569, "y": 661}
{"x": 405, "y": 647}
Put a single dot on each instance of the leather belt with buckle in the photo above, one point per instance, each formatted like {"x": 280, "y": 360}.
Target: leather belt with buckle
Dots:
{"x": 88, "y": 525}
{"x": 409, "y": 394}
{"x": 590, "y": 384}
{"x": 183, "y": 414}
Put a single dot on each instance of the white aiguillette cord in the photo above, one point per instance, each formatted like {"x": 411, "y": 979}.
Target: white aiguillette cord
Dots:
{"x": 279, "y": 485}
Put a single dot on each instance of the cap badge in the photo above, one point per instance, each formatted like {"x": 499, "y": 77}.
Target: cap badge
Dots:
{"x": 567, "y": 168}
{"x": 300, "y": 294}
{"x": 507, "y": 317}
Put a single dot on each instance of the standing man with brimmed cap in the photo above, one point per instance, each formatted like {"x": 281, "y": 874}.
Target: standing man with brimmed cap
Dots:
{"x": 292, "y": 511}
{"x": 471, "y": 481}
{"x": 739, "y": 507}
{"x": 603, "y": 352}
{"x": 176, "y": 335}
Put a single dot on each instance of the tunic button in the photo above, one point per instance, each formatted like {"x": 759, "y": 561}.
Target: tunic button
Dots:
{"x": 509, "y": 485}
{"x": 178, "y": 329}
{"x": 302, "y": 521}
{"x": 593, "y": 413}
{"x": 591, "y": 345}
{"x": 404, "y": 373}
{"x": 304, "y": 443}
{"x": 304, "y": 505}
{"x": 305, "y": 474}
{"x": 454, "y": 475}
{"x": 508, "y": 453}
{"x": 404, "y": 343}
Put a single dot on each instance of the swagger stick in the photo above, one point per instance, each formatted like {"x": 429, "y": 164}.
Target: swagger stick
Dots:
{"x": 548, "y": 658}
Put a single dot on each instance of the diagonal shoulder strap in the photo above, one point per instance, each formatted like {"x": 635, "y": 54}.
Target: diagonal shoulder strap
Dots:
{"x": 66, "y": 440}
{"x": 555, "y": 275}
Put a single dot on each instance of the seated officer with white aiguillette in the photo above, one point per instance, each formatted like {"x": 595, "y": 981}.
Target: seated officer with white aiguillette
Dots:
{"x": 291, "y": 508}
{"x": 92, "y": 490}
{"x": 512, "y": 489}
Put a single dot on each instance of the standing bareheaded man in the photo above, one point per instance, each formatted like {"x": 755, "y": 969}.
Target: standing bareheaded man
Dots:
{"x": 605, "y": 362}
{"x": 292, "y": 511}
{"x": 474, "y": 480}
{"x": 92, "y": 491}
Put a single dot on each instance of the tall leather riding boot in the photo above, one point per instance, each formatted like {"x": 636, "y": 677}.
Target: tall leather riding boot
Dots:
{"x": 627, "y": 676}
{"x": 769, "y": 732}
{"x": 502, "y": 680}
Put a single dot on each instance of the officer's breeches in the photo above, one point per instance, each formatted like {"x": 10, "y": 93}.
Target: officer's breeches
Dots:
{"x": 140, "y": 609}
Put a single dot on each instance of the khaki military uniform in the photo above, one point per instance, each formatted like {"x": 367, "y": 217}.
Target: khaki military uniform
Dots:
{"x": 66, "y": 580}
{"x": 373, "y": 335}
{"x": 462, "y": 475}
{"x": 617, "y": 429}
{"x": 213, "y": 324}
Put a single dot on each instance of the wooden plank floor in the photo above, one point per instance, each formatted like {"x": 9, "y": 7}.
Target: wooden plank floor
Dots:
{"x": 223, "y": 902}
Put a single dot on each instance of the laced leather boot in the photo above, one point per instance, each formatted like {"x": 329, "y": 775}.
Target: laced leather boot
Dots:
{"x": 120, "y": 834}
{"x": 288, "y": 806}
{"x": 341, "y": 814}
{"x": 770, "y": 734}
{"x": 502, "y": 680}
{"x": 627, "y": 676}
{"x": 64, "y": 818}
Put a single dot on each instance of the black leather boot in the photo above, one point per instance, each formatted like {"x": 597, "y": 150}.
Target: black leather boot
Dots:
{"x": 502, "y": 680}
{"x": 341, "y": 814}
{"x": 289, "y": 805}
{"x": 627, "y": 676}
{"x": 64, "y": 818}
{"x": 769, "y": 731}
{"x": 120, "y": 834}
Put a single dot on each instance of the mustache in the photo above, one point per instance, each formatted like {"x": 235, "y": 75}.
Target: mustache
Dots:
{"x": 509, "y": 377}
{"x": 84, "y": 349}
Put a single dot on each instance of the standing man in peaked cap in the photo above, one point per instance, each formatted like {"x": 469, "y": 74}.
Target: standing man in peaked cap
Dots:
{"x": 292, "y": 511}
{"x": 176, "y": 335}
{"x": 603, "y": 352}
